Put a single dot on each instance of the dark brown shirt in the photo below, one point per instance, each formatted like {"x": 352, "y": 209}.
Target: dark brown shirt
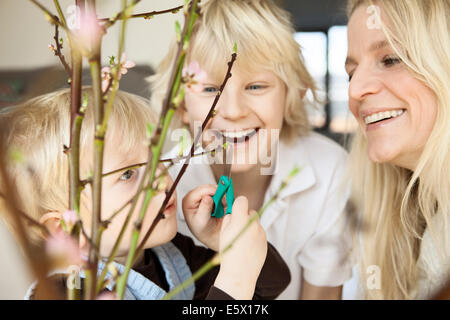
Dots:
{"x": 273, "y": 279}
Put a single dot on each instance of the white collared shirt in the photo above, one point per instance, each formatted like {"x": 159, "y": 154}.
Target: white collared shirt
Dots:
{"x": 307, "y": 223}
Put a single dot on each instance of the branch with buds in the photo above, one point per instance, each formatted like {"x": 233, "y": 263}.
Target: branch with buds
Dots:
{"x": 57, "y": 50}
{"x": 86, "y": 42}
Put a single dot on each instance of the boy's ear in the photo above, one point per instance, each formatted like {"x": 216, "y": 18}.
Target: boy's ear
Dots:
{"x": 182, "y": 112}
{"x": 52, "y": 221}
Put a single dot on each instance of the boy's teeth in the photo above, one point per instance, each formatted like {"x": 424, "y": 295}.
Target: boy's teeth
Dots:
{"x": 237, "y": 134}
{"x": 383, "y": 115}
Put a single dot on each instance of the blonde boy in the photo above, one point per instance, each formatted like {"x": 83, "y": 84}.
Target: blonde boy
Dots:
{"x": 264, "y": 100}
{"x": 39, "y": 130}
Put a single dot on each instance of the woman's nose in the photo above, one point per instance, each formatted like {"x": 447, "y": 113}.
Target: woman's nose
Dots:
{"x": 363, "y": 84}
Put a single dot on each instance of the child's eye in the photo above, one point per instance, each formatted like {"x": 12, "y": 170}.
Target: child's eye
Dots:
{"x": 127, "y": 175}
{"x": 255, "y": 87}
{"x": 210, "y": 89}
{"x": 389, "y": 61}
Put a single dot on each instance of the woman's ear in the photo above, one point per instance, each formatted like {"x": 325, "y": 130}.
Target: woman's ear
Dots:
{"x": 52, "y": 221}
{"x": 303, "y": 93}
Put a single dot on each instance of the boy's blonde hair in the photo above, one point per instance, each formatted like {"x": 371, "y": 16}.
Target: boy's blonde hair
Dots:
{"x": 398, "y": 204}
{"x": 263, "y": 33}
{"x": 38, "y": 130}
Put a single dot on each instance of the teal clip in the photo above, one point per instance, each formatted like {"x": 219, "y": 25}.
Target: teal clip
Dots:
{"x": 225, "y": 186}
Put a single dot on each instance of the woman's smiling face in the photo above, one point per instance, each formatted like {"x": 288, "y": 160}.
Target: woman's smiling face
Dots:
{"x": 249, "y": 114}
{"x": 396, "y": 111}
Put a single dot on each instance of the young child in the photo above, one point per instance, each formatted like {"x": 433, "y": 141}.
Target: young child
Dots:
{"x": 38, "y": 130}
{"x": 264, "y": 97}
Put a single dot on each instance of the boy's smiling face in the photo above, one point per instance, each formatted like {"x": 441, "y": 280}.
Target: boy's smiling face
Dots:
{"x": 250, "y": 109}
{"x": 118, "y": 189}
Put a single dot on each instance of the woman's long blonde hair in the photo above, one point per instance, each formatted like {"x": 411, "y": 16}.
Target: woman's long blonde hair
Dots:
{"x": 395, "y": 203}
{"x": 263, "y": 33}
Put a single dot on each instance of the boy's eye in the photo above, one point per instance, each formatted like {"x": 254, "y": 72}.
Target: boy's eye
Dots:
{"x": 127, "y": 175}
{"x": 255, "y": 87}
{"x": 209, "y": 89}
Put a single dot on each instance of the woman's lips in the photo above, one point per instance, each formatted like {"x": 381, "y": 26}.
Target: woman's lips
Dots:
{"x": 383, "y": 123}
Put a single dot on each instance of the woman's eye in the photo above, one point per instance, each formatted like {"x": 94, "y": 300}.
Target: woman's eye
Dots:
{"x": 127, "y": 175}
{"x": 390, "y": 61}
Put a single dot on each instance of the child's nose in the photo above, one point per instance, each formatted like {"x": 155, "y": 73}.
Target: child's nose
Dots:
{"x": 232, "y": 105}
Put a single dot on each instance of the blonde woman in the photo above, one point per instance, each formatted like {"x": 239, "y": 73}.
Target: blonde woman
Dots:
{"x": 263, "y": 97}
{"x": 399, "y": 68}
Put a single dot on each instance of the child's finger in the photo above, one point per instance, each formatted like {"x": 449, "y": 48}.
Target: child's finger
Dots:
{"x": 207, "y": 189}
{"x": 205, "y": 207}
{"x": 240, "y": 207}
{"x": 194, "y": 197}
{"x": 225, "y": 221}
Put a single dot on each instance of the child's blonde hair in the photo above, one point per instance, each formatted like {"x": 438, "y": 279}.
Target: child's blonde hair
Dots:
{"x": 396, "y": 203}
{"x": 263, "y": 33}
{"x": 38, "y": 130}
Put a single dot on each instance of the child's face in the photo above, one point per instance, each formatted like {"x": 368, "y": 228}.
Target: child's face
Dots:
{"x": 119, "y": 188}
{"x": 251, "y": 109}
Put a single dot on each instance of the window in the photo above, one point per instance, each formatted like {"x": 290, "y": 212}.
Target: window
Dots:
{"x": 325, "y": 53}
{"x": 314, "y": 49}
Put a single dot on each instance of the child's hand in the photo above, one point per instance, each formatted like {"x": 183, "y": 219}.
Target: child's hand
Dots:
{"x": 197, "y": 207}
{"x": 241, "y": 265}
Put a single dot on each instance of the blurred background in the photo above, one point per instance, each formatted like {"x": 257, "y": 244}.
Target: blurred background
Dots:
{"x": 28, "y": 68}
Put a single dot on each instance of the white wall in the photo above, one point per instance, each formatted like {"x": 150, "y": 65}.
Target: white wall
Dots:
{"x": 25, "y": 33}
{"x": 24, "y": 37}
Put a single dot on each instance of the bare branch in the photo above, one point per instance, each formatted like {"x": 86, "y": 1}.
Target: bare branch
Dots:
{"x": 59, "y": 53}
{"x": 119, "y": 16}
{"x": 186, "y": 163}
{"x": 145, "y": 15}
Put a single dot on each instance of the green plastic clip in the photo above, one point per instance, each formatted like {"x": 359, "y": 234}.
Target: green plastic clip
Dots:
{"x": 225, "y": 187}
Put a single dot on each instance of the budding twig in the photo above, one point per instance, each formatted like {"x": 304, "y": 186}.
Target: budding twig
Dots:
{"x": 138, "y": 165}
{"x": 154, "y": 152}
{"x": 122, "y": 15}
{"x": 191, "y": 153}
{"x": 145, "y": 15}
{"x": 59, "y": 53}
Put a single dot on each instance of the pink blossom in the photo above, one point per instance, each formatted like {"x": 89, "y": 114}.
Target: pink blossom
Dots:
{"x": 125, "y": 64}
{"x": 63, "y": 250}
{"x": 52, "y": 48}
{"x": 70, "y": 218}
{"x": 123, "y": 69}
{"x": 193, "y": 76}
{"x": 86, "y": 29}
